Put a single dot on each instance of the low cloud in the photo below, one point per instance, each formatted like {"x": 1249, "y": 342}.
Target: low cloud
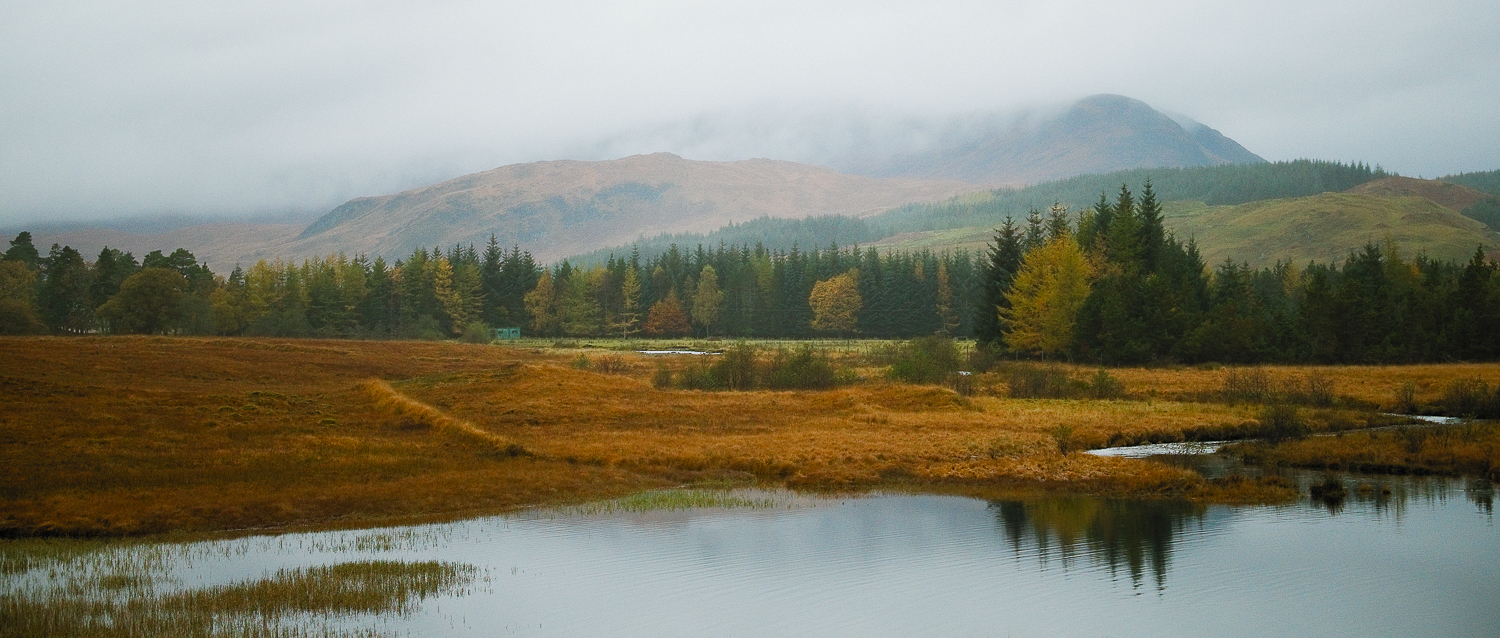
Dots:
{"x": 117, "y": 108}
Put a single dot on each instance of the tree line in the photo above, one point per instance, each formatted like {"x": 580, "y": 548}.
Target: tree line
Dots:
{"x": 432, "y": 294}
{"x": 1107, "y": 284}
{"x": 1116, "y": 288}
{"x": 740, "y": 291}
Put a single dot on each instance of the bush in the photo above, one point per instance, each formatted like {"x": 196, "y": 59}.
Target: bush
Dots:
{"x": 735, "y": 369}
{"x": 803, "y": 369}
{"x": 612, "y": 364}
{"x": 475, "y": 332}
{"x": 1406, "y": 398}
{"x": 1246, "y": 385}
{"x": 1281, "y": 422}
{"x": 662, "y": 378}
{"x": 1027, "y": 381}
{"x": 1471, "y": 397}
{"x": 983, "y": 358}
{"x": 926, "y": 360}
{"x": 1104, "y": 385}
{"x": 698, "y": 377}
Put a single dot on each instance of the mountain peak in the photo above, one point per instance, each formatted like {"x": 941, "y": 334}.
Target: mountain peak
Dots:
{"x": 1097, "y": 134}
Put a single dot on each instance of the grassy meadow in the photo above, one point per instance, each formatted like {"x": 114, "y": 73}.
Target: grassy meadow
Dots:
{"x": 144, "y": 435}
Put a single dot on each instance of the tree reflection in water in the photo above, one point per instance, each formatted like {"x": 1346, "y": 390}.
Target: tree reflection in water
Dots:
{"x": 1136, "y": 536}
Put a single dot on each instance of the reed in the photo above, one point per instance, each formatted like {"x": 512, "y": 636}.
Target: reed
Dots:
{"x": 138, "y": 599}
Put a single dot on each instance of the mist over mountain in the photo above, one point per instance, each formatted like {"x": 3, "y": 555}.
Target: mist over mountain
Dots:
{"x": 1099, "y": 134}
{"x": 560, "y": 208}
{"x": 851, "y": 165}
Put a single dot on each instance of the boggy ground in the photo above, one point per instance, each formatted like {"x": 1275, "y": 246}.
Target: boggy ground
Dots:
{"x": 138, "y": 435}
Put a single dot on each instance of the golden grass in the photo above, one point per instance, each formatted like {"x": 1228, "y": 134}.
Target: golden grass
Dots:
{"x": 138, "y": 435}
{"x": 420, "y": 413}
{"x": 1472, "y": 449}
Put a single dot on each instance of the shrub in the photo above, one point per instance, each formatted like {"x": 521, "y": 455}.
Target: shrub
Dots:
{"x": 612, "y": 364}
{"x": 1471, "y": 397}
{"x": 1026, "y": 381}
{"x": 1406, "y": 398}
{"x": 1246, "y": 385}
{"x": 802, "y": 369}
{"x": 698, "y": 377}
{"x": 962, "y": 383}
{"x": 475, "y": 332}
{"x": 1281, "y": 422}
{"x": 926, "y": 360}
{"x": 1063, "y": 435}
{"x": 983, "y": 358}
{"x": 735, "y": 369}
{"x": 1104, "y": 385}
{"x": 662, "y": 378}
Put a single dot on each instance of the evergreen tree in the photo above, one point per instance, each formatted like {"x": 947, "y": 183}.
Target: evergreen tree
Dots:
{"x": 1003, "y": 259}
{"x": 65, "y": 302}
{"x": 22, "y": 250}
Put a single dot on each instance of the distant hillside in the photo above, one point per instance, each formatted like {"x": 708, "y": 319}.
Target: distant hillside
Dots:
{"x": 1227, "y": 184}
{"x": 1327, "y": 227}
{"x": 967, "y": 221}
{"x": 1446, "y": 194}
{"x": 222, "y": 246}
{"x": 1098, "y": 134}
{"x": 557, "y": 209}
{"x": 1487, "y": 182}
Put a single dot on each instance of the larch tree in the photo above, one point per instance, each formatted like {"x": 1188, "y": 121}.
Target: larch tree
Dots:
{"x": 708, "y": 300}
{"x": 541, "y": 304}
{"x": 1044, "y": 298}
{"x": 667, "y": 318}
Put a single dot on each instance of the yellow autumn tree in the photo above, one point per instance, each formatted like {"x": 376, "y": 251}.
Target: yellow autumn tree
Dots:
{"x": 1050, "y": 286}
{"x": 835, "y": 303}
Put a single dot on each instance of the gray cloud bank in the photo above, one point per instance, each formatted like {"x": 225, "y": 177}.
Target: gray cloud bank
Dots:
{"x": 117, "y": 108}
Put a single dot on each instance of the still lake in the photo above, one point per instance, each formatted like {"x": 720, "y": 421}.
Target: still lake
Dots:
{"x": 1399, "y": 556}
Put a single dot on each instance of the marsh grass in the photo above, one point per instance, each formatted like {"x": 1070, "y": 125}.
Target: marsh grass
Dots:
{"x": 1471, "y": 448}
{"x": 141, "y": 600}
{"x": 675, "y": 500}
{"x": 136, "y": 435}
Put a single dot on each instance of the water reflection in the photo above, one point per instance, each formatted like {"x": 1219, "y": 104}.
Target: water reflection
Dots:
{"x": 1136, "y": 536}
{"x": 1395, "y": 556}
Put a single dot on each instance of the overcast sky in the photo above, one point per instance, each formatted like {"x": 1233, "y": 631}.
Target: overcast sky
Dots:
{"x": 112, "y": 109}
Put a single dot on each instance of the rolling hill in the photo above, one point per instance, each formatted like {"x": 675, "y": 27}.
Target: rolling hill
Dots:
{"x": 562, "y": 208}
{"x": 1323, "y": 227}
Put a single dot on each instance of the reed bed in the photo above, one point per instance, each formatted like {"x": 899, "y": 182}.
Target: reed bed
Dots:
{"x": 124, "y": 602}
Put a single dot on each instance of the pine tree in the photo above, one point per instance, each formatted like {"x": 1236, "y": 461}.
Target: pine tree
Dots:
{"x": 1003, "y": 259}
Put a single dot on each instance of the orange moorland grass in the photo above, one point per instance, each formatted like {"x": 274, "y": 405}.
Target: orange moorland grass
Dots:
{"x": 1368, "y": 384}
{"x": 132, "y": 435}
{"x": 1466, "y": 449}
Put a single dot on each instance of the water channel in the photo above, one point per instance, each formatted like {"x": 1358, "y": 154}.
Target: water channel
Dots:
{"x": 1399, "y": 556}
